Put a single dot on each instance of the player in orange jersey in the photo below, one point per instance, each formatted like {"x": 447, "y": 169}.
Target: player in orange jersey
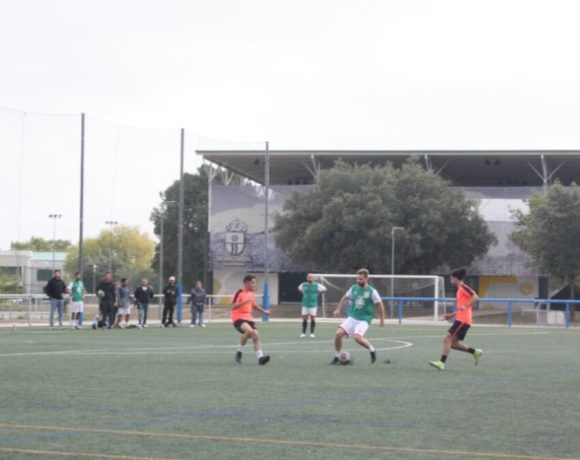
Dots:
{"x": 242, "y": 305}
{"x": 465, "y": 297}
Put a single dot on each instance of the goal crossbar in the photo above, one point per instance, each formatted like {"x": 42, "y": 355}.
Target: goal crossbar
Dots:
{"x": 437, "y": 284}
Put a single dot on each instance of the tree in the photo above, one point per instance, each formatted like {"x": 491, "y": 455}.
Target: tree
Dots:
{"x": 39, "y": 244}
{"x": 550, "y": 232}
{"x": 346, "y": 222}
{"x": 128, "y": 250}
{"x": 194, "y": 224}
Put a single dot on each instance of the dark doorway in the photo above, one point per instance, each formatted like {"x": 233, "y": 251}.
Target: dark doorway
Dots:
{"x": 288, "y": 286}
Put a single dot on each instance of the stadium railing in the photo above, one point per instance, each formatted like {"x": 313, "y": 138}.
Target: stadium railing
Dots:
{"x": 35, "y": 308}
{"x": 541, "y": 305}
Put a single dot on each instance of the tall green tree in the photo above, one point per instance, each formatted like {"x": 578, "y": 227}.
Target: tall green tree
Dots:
{"x": 346, "y": 222}
{"x": 125, "y": 249}
{"x": 39, "y": 244}
{"x": 195, "y": 221}
{"x": 550, "y": 233}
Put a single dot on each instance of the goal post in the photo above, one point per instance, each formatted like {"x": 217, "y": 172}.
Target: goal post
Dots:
{"x": 430, "y": 287}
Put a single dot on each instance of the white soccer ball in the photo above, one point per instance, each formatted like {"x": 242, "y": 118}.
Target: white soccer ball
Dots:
{"x": 101, "y": 293}
{"x": 344, "y": 358}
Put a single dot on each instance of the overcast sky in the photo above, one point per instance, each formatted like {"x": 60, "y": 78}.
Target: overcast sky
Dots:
{"x": 303, "y": 74}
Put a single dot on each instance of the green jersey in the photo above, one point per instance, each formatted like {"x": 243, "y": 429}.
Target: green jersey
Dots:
{"x": 363, "y": 302}
{"x": 310, "y": 293}
{"x": 77, "y": 289}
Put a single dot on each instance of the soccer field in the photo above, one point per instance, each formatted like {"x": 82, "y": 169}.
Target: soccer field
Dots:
{"x": 178, "y": 394}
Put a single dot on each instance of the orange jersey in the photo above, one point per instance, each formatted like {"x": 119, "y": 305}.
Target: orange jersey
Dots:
{"x": 464, "y": 294}
{"x": 244, "y": 311}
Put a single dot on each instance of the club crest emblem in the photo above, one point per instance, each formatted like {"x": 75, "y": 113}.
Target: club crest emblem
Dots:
{"x": 236, "y": 237}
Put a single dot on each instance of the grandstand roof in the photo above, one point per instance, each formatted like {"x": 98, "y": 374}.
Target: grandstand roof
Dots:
{"x": 462, "y": 167}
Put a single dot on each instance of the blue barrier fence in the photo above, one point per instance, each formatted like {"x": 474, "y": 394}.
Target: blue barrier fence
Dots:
{"x": 400, "y": 302}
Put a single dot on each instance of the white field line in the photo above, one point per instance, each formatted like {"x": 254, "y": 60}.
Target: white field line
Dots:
{"x": 202, "y": 349}
{"x": 211, "y": 349}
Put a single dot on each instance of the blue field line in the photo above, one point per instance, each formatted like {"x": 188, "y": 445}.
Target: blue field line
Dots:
{"x": 258, "y": 412}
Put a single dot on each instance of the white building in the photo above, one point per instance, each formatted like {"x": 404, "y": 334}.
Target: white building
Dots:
{"x": 33, "y": 269}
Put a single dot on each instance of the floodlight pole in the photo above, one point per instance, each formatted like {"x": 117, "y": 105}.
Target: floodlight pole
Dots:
{"x": 164, "y": 204}
{"x": 180, "y": 231}
{"x": 266, "y": 298}
{"x": 54, "y": 217}
{"x": 392, "y": 303}
{"x": 161, "y": 236}
{"x": 82, "y": 198}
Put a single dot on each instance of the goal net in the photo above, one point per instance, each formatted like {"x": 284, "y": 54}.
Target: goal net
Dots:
{"x": 408, "y": 286}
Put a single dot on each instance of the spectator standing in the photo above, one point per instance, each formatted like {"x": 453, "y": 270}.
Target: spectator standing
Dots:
{"x": 169, "y": 301}
{"x": 198, "y": 299}
{"x": 55, "y": 289}
{"x": 143, "y": 296}
{"x": 116, "y": 303}
{"x": 107, "y": 296}
{"x": 124, "y": 303}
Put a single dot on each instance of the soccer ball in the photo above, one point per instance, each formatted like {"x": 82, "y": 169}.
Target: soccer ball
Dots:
{"x": 345, "y": 358}
{"x": 101, "y": 293}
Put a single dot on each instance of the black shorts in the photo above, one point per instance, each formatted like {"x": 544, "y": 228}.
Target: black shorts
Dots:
{"x": 459, "y": 330}
{"x": 239, "y": 322}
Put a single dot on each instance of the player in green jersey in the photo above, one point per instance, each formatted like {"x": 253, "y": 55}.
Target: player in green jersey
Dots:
{"x": 364, "y": 299}
{"x": 310, "y": 291}
{"x": 76, "y": 290}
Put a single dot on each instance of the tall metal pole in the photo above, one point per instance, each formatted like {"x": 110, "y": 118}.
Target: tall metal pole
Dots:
{"x": 53, "y": 241}
{"x": 161, "y": 235}
{"x": 163, "y": 208}
{"x": 212, "y": 174}
{"x": 94, "y": 278}
{"x": 82, "y": 197}
{"x": 54, "y": 217}
{"x": 392, "y": 303}
{"x": 111, "y": 223}
{"x": 180, "y": 231}
{"x": 266, "y": 299}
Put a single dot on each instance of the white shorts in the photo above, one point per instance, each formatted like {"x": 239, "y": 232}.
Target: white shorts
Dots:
{"x": 309, "y": 311}
{"x": 77, "y": 307}
{"x": 354, "y": 327}
{"x": 124, "y": 311}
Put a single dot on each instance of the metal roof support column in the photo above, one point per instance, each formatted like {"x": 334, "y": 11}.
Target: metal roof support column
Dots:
{"x": 213, "y": 172}
{"x": 316, "y": 168}
{"x": 266, "y": 297}
{"x": 545, "y": 174}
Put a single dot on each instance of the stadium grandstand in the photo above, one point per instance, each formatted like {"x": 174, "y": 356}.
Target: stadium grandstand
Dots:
{"x": 500, "y": 180}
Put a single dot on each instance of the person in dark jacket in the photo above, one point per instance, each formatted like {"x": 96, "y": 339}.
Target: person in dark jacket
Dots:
{"x": 107, "y": 297}
{"x": 143, "y": 296}
{"x": 55, "y": 289}
{"x": 169, "y": 301}
{"x": 197, "y": 299}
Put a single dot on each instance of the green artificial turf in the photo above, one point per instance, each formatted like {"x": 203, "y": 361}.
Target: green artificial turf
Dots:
{"x": 177, "y": 394}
